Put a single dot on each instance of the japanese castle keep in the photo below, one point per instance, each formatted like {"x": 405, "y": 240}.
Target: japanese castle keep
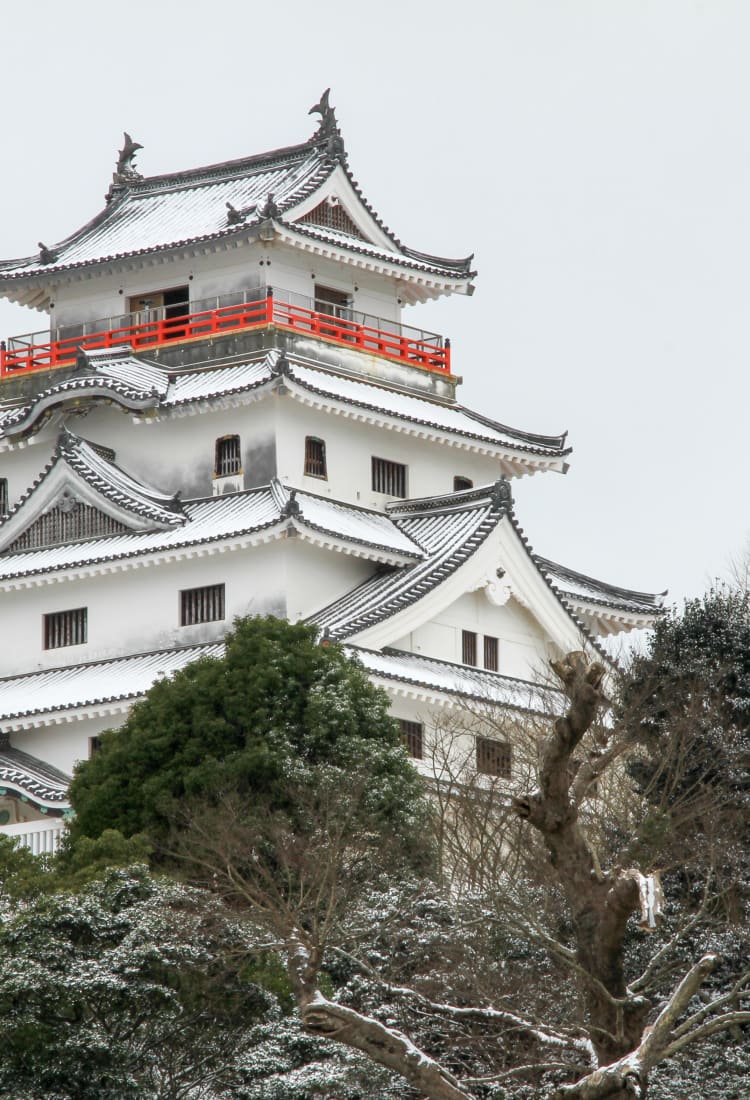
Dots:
{"x": 226, "y": 415}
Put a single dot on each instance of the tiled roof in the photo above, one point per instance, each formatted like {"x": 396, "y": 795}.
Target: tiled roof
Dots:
{"x": 104, "y": 478}
{"x": 448, "y": 529}
{"x": 184, "y": 208}
{"x": 447, "y": 678}
{"x": 36, "y": 780}
{"x": 36, "y": 694}
{"x": 137, "y": 384}
{"x": 235, "y": 515}
{"x": 578, "y": 589}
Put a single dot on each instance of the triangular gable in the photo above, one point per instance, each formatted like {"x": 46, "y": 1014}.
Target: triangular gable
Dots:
{"x": 81, "y": 495}
{"x": 336, "y": 206}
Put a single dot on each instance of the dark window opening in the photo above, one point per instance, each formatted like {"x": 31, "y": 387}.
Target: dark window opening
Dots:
{"x": 228, "y": 457}
{"x": 334, "y": 303}
{"x": 63, "y": 628}
{"x": 3, "y": 496}
{"x": 461, "y": 483}
{"x": 95, "y": 743}
{"x": 490, "y": 653}
{"x": 468, "y": 647}
{"x": 169, "y": 306}
{"x": 315, "y": 457}
{"x": 412, "y": 735}
{"x": 494, "y": 758}
{"x": 388, "y": 477}
{"x": 201, "y": 605}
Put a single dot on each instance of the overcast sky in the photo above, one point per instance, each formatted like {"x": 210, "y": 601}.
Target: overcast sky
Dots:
{"x": 595, "y": 156}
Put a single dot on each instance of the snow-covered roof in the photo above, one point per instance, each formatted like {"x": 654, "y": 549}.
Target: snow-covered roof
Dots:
{"x": 448, "y": 529}
{"x": 253, "y": 515}
{"x": 426, "y": 678}
{"x": 35, "y": 781}
{"x": 51, "y": 695}
{"x": 117, "y": 379}
{"x": 79, "y": 473}
{"x": 604, "y": 607}
{"x": 227, "y": 203}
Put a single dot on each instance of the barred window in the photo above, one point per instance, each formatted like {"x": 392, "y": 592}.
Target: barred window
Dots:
{"x": 228, "y": 457}
{"x": 388, "y": 477}
{"x": 315, "y": 457}
{"x": 3, "y": 495}
{"x": 494, "y": 757}
{"x": 461, "y": 483}
{"x": 201, "y": 605}
{"x": 468, "y": 647}
{"x": 62, "y": 628}
{"x": 412, "y": 735}
{"x": 490, "y": 653}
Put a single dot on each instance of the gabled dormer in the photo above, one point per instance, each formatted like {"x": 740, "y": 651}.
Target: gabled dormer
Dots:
{"x": 83, "y": 494}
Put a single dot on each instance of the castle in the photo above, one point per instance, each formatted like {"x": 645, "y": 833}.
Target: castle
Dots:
{"x": 227, "y": 416}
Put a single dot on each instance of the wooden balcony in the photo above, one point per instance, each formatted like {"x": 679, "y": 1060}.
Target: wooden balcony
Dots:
{"x": 154, "y": 328}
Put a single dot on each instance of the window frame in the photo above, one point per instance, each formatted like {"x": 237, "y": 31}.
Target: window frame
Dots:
{"x": 61, "y": 629}
{"x": 493, "y": 758}
{"x": 469, "y": 648}
{"x": 221, "y": 462}
{"x": 491, "y": 648}
{"x": 197, "y": 605}
{"x": 412, "y": 737}
{"x": 311, "y": 443}
{"x": 393, "y": 475}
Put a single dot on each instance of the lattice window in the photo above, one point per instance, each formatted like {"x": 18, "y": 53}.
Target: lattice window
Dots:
{"x": 3, "y": 496}
{"x": 491, "y": 653}
{"x": 63, "y": 628}
{"x": 462, "y": 483}
{"x": 228, "y": 457}
{"x": 315, "y": 457}
{"x": 494, "y": 758}
{"x": 468, "y": 647}
{"x": 202, "y": 605}
{"x": 388, "y": 477}
{"x": 68, "y": 521}
{"x": 332, "y": 216}
{"x": 412, "y": 735}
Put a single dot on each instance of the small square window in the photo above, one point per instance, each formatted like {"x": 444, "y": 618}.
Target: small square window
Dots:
{"x": 228, "y": 459}
{"x": 490, "y": 653}
{"x": 468, "y": 647}
{"x": 315, "y": 457}
{"x": 388, "y": 477}
{"x": 412, "y": 735}
{"x": 201, "y": 605}
{"x": 63, "y": 628}
{"x": 494, "y": 757}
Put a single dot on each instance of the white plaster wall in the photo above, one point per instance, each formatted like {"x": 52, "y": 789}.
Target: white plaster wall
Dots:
{"x": 63, "y": 744}
{"x": 522, "y": 649}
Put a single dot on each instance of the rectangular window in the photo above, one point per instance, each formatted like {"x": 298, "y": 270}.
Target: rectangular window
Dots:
{"x": 490, "y": 653}
{"x": 201, "y": 605}
{"x": 95, "y": 744}
{"x": 494, "y": 758}
{"x": 3, "y": 495}
{"x": 334, "y": 303}
{"x": 412, "y": 734}
{"x": 228, "y": 457}
{"x": 62, "y": 628}
{"x": 315, "y": 457}
{"x": 388, "y": 477}
{"x": 468, "y": 647}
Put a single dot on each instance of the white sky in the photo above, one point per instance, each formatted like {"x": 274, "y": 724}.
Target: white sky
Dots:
{"x": 594, "y": 155}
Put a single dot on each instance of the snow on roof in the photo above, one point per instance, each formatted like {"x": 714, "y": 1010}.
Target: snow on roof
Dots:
{"x": 447, "y": 678}
{"x": 235, "y": 515}
{"x": 36, "y": 694}
{"x": 33, "y": 779}
{"x": 577, "y": 589}
{"x": 222, "y": 201}
{"x": 448, "y": 529}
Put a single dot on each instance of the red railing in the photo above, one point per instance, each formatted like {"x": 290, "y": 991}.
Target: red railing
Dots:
{"x": 422, "y": 349}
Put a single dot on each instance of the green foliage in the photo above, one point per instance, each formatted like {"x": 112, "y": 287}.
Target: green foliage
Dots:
{"x": 123, "y": 990}
{"x": 245, "y": 725}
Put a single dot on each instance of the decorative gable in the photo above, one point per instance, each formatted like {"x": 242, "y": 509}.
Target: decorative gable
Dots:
{"x": 330, "y": 214}
{"x": 69, "y": 520}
